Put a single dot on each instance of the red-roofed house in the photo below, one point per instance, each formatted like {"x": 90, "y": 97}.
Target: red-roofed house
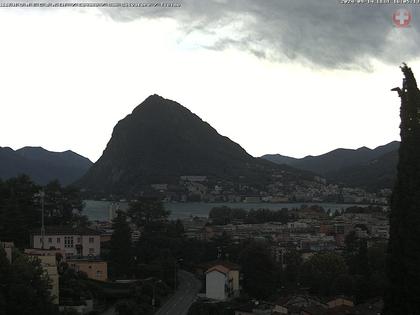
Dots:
{"x": 222, "y": 281}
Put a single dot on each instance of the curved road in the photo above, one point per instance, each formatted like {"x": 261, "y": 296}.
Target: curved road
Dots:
{"x": 180, "y": 302}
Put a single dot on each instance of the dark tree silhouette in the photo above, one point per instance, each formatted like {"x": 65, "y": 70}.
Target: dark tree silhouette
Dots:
{"x": 121, "y": 251}
{"x": 146, "y": 211}
{"x": 259, "y": 271}
{"x": 403, "y": 258}
{"x": 24, "y": 287}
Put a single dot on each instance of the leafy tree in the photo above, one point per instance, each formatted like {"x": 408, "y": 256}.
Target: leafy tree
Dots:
{"x": 403, "y": 258}
{"x": 127, "y": 307}
{"x": 20, "y": 208}
{"x": 356, "y": 255}
{"x": 291, "y": 274}
{"x": 378, "y": 280}
{"x": 120, "y": 251}
{"x": 343, "y": 284}
{"x": 267, "y": 215}
{"x": 19, "y": 211}
{"x": 24, "y": 287}
{"x": 72, "y": 285}
{"x": 322, "y": 270}
{"x": 63, "y": 205}
{"x": 259, "y": 271}
{"x": 146, "y": 211}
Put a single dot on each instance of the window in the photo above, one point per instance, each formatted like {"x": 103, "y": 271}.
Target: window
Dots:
{"x": 50, "y": 240}
{"x": 79, "y": 240}
{"x": 68, "y": 241}
{"x": 91, "y": 251}
{"x": 91, "y": 240}
{"x": 58, "y": 240}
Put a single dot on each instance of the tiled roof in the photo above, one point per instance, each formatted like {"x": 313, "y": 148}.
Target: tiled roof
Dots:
{"x": 219, "y": 268}
{"x": 66, "y": 230}
{"x": 227, "y": 264}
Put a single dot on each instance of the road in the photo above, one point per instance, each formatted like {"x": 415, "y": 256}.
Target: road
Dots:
{"x": 180, "y": 302}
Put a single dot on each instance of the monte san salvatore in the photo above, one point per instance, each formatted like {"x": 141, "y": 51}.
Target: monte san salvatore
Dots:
{"x": 161, "y": 141}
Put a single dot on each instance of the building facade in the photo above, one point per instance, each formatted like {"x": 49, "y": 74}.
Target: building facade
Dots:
{"x": 94, "y": 269}
{"x": 81, "y": 242}
{"x": 222, "y": 282}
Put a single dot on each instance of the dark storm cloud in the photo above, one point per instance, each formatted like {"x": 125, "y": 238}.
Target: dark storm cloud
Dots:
{"x": 322, "y": 33}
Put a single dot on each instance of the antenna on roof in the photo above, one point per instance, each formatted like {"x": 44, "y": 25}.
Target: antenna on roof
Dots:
{"x": 42, "y": 195}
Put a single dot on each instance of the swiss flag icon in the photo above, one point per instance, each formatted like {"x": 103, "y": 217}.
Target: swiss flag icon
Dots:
{"x": 401, "y": 18}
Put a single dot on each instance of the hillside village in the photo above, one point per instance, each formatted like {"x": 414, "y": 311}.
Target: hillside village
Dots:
{"x": 316, "y": 190}
{"x": 307, "y": 231}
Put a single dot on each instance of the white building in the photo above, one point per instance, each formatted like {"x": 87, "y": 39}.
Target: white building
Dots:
{"x": 222, "y": 282}
{"x": 82, "y": 242}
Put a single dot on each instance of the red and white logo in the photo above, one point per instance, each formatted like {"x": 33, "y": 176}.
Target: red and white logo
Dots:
{"x": 401, "y": 18}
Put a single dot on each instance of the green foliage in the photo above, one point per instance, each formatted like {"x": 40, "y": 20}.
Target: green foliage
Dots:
{"x": 20, "y": 208}
{"x": 210, "y": 309}
{"x": 24, "y": 287}
{"x": 356, "y": 255}
{"x": 128, "y": 307}
{"x": 120, "y": 256}
{"x": 156, "y": 256}
{"x": 225, "y": 215}
{"x": 147, "y": 211}
{"x": 141, "y": 298}
{"x": 293, "y": 261}
{"x": 266, "y": 215}
{"x": 259, "y": 271}
{"x": 72, "y": 286}
{"x": 63, "y": 205}
{"x": 321, "y": 272}
{"x": 403, "y": 259}
{"x": 368, "y": 209}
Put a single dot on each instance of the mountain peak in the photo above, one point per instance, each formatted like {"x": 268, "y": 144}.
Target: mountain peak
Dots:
{"x": 152, "y": 99}
{"x": 159, "y": 142}
{"x": 364, "y": 148}
{"x": 158, "y": 105}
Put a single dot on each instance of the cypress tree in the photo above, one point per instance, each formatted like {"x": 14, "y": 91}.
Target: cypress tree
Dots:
{"x": 120, "y": 252}
{"x": 403, "y": 257}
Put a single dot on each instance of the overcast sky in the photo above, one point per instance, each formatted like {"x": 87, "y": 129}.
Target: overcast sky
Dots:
{"x": 291, "y": 77}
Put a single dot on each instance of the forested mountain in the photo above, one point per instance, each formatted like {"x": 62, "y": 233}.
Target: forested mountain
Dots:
{"x": 161, "y": 140}
{"x": 363, "y": 167}
{"x": 42, "y": 165}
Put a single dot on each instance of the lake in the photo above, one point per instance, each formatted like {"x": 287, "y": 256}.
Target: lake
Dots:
{"x": 99, "y": 210}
